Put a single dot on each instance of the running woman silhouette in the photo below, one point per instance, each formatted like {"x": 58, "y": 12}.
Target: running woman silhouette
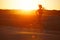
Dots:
{"x": 39, "y": 17}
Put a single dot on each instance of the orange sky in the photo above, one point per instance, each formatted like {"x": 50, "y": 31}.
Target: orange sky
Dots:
{"x": 32, "y": 4}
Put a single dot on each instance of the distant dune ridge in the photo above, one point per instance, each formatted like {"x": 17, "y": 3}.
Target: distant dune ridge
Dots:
{"x": 46, "y": 12}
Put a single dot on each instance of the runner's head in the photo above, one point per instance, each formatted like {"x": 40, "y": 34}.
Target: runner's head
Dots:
{"x": 40, "y": 6}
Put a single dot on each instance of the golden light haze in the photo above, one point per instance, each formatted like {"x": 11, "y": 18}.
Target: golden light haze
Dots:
{"x": 29, "y": 4}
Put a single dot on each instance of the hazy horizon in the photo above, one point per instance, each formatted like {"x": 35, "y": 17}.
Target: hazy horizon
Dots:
{"x": 17, "y": 4}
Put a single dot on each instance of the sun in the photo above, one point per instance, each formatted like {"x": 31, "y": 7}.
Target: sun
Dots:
{"x": 27, "y": 5}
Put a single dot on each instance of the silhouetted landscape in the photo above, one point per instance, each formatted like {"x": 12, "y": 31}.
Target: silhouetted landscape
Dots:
{"x": 14, "y": 26}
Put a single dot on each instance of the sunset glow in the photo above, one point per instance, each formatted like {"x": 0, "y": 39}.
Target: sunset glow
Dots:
{"x": 22, "y": 4}
{"x": 29, "y": 4}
